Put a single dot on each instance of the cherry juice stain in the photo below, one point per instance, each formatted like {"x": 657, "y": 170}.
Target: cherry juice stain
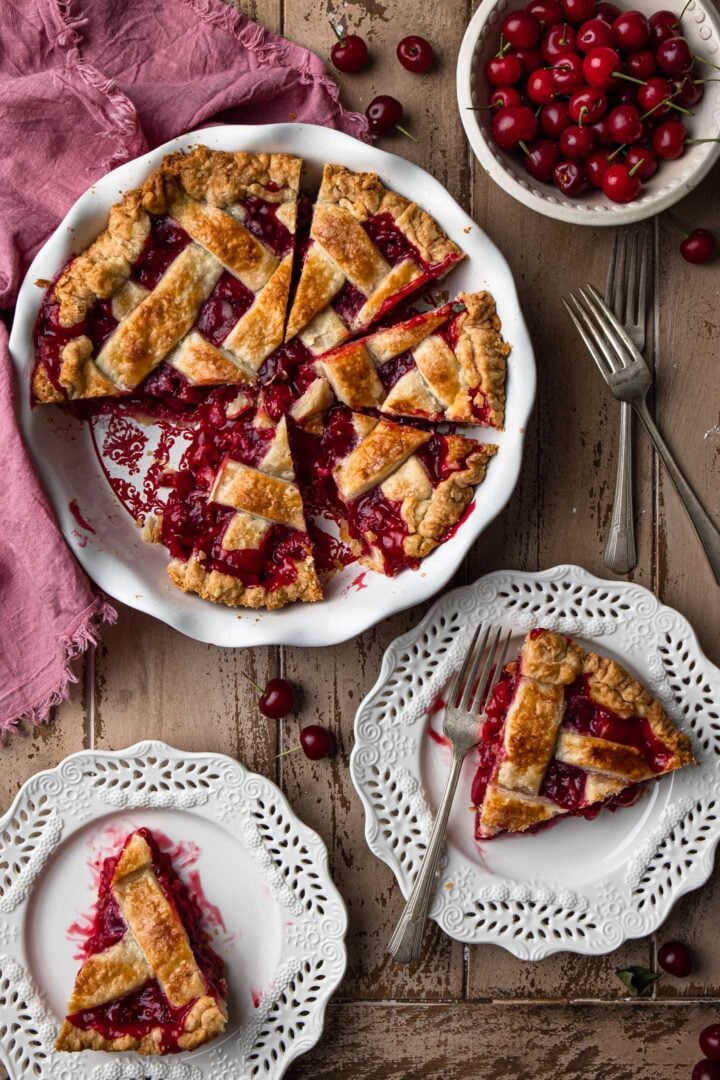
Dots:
{"x": 75, "y": 511}
{"x": 358, "y": 583}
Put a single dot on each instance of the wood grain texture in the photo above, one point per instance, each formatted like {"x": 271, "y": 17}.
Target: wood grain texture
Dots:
{"x": 475, "y": 1013}
{"x": 507, "y": 1042}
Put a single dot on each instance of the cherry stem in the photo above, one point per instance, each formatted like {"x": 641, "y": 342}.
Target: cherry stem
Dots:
{"x": 504, "y": 46}
{"x": 290, "y": 751}
{"x": 258, "y": 688}
{"x": 616, "y": 151}
{"x": 704, "y": 61}
{"x": 687, "y": 5}
{"x": 563, "y": 39}
{"x": 699, "y": 82}
{"x": 636, "y": 166}
{"x": 628, "y": 78}
{"x": 583, "y": 109}
{"x": 678, "y": 226}
{"x": 702, "y": 140}
{"x": 523, "y": 146}
{"x": 338, "y": 34}
{"x": 404, "y": 131}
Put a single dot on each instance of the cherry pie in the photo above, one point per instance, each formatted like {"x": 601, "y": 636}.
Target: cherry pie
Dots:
{"x": 565, "y": 732}
{"x": 150, "y": 982}
{"x": 181, "y": 305}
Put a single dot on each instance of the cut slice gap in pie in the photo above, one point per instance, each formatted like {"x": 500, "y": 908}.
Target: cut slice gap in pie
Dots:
{"x": 151, "y": 982}
{"x": 187, "y": 287}
{"x": 397, "y": 491}
{"x": 443, "y": 365}
{"x": 234, "y": 521}
{"x": 566, "y": 731}
{"x": 369, "y": 249}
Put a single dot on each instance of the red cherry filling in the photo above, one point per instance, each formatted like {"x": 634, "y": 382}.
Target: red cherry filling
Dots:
{"x": 584, "y": 715}
{"x": 165, "y": 242}
{"x": 376, "y": 522}
{"x": 261, "y": 219}
{"x": 147, "y": 1008}
{"x": 225, "y": 305}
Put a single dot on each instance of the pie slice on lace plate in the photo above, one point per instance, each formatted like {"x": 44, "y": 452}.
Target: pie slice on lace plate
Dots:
{"x": 369, "y": 248}
{"x": 566, "y": 731}
{"x": 448, "y": 364}
{"x": 187, "y": 286}
{"x": 234, "y": 522}
{"x": 150, "y": 982}
{"x": 396, "y": 491}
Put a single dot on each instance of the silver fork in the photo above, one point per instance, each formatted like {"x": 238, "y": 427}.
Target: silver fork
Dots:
{"x": 626, "y": 295}
{"x": 468, "y": 697}
{"x": 628, "y": 376}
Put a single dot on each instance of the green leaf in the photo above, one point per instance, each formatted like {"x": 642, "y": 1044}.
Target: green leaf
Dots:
{"x": 637, "y": 979}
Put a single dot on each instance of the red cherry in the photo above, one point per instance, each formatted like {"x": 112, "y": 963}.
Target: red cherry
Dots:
{"x": 278, "y": 699}
{"x": 621, "y": 187}
{"x": 568, "y": 74}
{"x": 503, "y": 96}
{"x": 710, "y": 1042}
{"x": 706, "y": 1070}
{"x": 521, "y": 29}
{"x": 503, "y": 70}
{"x": 675, "y": 958}
{"x": 641, "y": 64}
{"x": 596, "y": 165}
{"x": 548, "y": 12}
{"x": 602, "y": 132}
{"x": 668, "y": 139}
{"x": 384, "y": 113}
{"x": 415, "y": 54}
{"x": 653, "y": 96}
{"x": 663, "y": 25}
{"x": 600, "y": 65}
{"x": 316, "y": 741}
{"x": 578, "y": 11}
{"x": 687, "y": 91}
{"x": 577, "y": 142}
{"x": 632, "y": 30}
{"x": 674, "y": 56}
{"x": 531, "y": 59}
{"x": 645, "y": 161}
{"x": 625, "y": 124}
{"x": 698, "y": 247}
{"x": 607, "y": 12}
{"x": 541, "y": 86}
{"x": 349, "y": 54}
{"x": 554, "y": 118}
{"x": 587, "y": 106}
{"x": 541, "y": 159}
{"x": 515, "y": 124}
{"x": 557, "y": 41}
{"x": 569, "y": 177}
{"x": 593, "y": 33}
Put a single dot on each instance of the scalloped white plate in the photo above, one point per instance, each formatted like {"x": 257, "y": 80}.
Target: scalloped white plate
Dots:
{"x": 72, "y": 459}
{"x": 284, "y": 920}
{"x": 579, "y": 886}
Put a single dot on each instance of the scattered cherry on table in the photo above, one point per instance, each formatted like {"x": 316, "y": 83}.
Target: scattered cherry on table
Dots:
{"x": 706, "y": 1070}
{"x": 415, "y": 54}
{"x": 675, "y": 958}
{"x": 277, "y": 699}
{"x": 384, "y": 114}
{"x": 349, "y": 54}
{"x": 699, "y": 247}
{"x": 710, "y": 1042}
{"x": 316, "y": 742}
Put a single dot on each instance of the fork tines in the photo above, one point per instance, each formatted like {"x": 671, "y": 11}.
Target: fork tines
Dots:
{"x": 475, "y": 685}
{"x": 626, "y": 290}
{"x": 607, "y": 340}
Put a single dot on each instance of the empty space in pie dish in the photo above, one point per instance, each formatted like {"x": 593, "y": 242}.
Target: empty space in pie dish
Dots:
{"x": 250, "y": 943}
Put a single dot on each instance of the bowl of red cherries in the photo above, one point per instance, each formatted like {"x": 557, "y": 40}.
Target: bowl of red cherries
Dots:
{"x": 592, "y": 112}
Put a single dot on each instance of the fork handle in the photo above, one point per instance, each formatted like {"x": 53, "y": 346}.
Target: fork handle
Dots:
{"x": 406, "y": 942}
{"x": 704, "y": 526}
{"x": 620, "y": 552}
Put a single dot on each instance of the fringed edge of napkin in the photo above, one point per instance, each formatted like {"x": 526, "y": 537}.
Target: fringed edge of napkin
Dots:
{"x": 80, "y": 637}
{"x": 270, "y": 48}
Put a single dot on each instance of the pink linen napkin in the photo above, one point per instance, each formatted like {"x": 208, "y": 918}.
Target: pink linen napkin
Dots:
{"x": 85, "y": 86}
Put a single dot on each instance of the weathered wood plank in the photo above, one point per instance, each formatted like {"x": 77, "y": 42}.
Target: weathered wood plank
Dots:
{"x": 507, "y": 1042}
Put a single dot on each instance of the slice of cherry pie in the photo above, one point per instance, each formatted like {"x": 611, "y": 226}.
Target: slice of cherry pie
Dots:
{"x": 187, "y": 286}
{"x": 566, "y": 731}
{"x": 151, "y": 981}
{"x": 447, "y": 364}
{"x": 369, "y": 248}
{"x": 234, "y": 522}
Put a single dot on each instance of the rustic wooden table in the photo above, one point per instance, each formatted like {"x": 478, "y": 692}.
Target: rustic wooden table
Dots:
{"x": 462, "y": 1013}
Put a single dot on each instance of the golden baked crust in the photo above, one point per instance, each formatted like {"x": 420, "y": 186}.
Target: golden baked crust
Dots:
{"x": 533, "y": 734}
{"x": 462, "y": 383}
{"x": 191, "y": 576}
{"x": 203, "y": 191}
{"x": 156, "y": 946}
{"x": 343, "y": 251}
